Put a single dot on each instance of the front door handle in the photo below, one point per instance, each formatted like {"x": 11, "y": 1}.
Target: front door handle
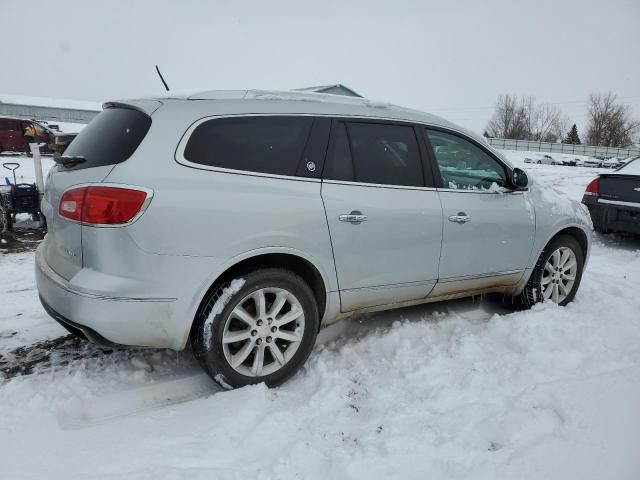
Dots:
{"x": 461, "y": 217}
{"x": 355, "y": 217}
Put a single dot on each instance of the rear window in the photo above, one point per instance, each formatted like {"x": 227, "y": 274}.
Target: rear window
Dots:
{"x": 110, "y": 138}
{"x": 631, "y": 168}
{"x": 270, "y": 144}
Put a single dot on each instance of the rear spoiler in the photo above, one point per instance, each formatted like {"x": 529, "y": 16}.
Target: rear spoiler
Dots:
{"x": 146, "y": 106}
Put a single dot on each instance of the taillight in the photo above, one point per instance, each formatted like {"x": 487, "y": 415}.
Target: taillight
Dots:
{"x": 101, "y": 205}
{"x": 592, "y": 188}
{"x": 71, "y": 203}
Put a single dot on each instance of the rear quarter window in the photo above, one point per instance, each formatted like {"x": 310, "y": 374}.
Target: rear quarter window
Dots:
{"x": 111, "y": 138}
{"x": 266, "y": 144}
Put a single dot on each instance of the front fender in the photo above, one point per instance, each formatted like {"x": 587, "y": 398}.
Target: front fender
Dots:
{"x": 556, "y": 212}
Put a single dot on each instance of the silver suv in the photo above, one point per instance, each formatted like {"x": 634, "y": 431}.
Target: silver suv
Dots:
{"x": 242, "y": 221}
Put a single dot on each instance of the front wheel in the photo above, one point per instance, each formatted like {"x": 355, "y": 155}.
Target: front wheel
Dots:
{"x": 557, "y": 274}
{"x": 258, "y": 328}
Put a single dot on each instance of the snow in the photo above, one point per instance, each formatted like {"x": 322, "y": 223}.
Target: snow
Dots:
{"x": 456, "y": 390}
{"x": 631, "y": 168}
{"x": 233, "y": 288}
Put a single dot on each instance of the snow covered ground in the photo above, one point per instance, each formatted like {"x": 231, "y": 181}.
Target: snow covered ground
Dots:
{"x": 459, "y": 390}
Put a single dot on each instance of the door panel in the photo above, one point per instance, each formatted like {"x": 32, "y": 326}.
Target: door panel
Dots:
{"x": 488, "y": 228}
{"x": 498, "y": 237}
{"x": 394, "y": 253}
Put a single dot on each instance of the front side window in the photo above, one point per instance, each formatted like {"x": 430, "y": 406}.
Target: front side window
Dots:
{"x": 269, "y": 144}
{"x": 385, "y": 154}
{"x": 463, "y": 165}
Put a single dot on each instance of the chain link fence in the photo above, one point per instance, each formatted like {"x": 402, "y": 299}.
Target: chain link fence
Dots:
{"x": 532, "y": 146}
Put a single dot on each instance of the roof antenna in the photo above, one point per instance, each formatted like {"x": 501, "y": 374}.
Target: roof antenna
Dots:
{"x": 162, "y": 78}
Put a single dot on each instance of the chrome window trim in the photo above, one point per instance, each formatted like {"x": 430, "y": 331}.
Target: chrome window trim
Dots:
{"x": 484, "y": 192}
{"x": 182, "y": 144}
{"x": 377, "y": 185}
{"x": 143, "y": 208}
{"x": 619, "y": 202}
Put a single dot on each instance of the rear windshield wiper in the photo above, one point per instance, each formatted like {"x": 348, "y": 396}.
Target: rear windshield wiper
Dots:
{"x": 69, "y": 161}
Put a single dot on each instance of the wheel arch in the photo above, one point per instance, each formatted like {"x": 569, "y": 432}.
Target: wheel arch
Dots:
{"x": 576, "y": 232}
{"x": 291, "y": 260}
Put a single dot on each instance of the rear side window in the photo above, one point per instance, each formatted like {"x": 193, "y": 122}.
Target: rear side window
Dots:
{"x": 385, "y": 154}
{"x": 339, "y": 164}
{"x": 110, "y": 138}
{"x": 269, "y": 144}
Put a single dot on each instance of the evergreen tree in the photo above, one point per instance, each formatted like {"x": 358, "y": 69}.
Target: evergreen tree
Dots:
{"x": 573, "y": 137}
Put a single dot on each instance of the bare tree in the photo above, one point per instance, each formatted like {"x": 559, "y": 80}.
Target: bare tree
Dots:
{"x": 509, "y": 119}
{"x": 544, "y": 121}
{"x": 610, "y": 123}
{"x": 522, "y": 119}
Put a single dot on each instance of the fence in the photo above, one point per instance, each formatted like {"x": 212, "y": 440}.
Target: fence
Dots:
{"x": 71, "y": 115}
{"x": 531, "y": 146}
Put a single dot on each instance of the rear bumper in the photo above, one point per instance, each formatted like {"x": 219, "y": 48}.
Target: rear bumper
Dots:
{"x": 104, "y": 319}
{"x": 618, "y": 218}
{"x": 75, "y": 328}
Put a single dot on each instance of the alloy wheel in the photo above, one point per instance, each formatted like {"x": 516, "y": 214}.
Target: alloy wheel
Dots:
{"x": 263, "y": 332}
{"x": 559, "y": 275}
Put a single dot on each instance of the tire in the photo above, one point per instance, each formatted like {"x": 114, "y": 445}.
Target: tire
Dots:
{"x": 5, "y": 220}
{"x": 535, "y": 292}
{"x": 217, "y": 321}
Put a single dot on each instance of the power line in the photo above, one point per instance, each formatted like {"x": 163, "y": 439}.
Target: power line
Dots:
{"x": 567, "y": 102}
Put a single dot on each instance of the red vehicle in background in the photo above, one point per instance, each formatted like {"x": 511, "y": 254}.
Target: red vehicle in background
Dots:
{"x": 12, "y": 136}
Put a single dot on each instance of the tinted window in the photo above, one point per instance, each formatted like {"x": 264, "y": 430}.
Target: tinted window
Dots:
{"x": 386, "y": 154}
{"x": 110, "y": 138}
{"x": 464, "y": 165}
{"x": 339, "y": 165}
{"x": 257, "y": 144}
{"x": 7, "y": 124}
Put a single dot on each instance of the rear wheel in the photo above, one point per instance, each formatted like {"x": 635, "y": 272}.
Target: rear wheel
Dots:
{"x": 258, "y": 329}
{"x": 557, "y": 274}
{"x": 5, "y": 220}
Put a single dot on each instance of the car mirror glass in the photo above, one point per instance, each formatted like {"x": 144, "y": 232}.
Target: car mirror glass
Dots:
{"x": 520, "y": 179}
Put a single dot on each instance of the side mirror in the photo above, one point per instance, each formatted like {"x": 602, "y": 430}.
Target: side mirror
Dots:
{"x": 520, "y": 179}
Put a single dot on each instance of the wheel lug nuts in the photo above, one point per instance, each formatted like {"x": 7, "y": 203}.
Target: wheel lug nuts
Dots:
{"x": 268, "y": 339}
{"x": 273, "y": 329}
{"x": 259, "y": 341}
{"x": 259, "y": 323}
{"x": 254, "y": 333}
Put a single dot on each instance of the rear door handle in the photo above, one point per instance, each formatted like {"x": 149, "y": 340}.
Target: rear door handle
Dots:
{"x": 355, "y": 217}
{"x": 461, "y": 217}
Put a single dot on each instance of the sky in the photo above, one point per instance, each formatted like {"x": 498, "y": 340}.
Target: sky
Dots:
{"x": 452, "y": 58}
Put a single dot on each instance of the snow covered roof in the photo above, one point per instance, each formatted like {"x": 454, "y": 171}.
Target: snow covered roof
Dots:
{"x": 286, "y": 102}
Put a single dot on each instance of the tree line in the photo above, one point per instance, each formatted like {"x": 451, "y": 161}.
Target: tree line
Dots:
{"x": 609, "y": 121}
